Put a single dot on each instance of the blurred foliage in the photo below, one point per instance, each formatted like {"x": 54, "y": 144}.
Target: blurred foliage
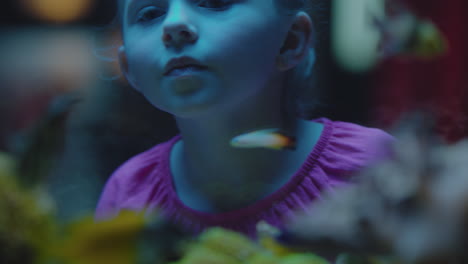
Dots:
{"x": 413, "y": 205}
{"x": 27, "y": 226}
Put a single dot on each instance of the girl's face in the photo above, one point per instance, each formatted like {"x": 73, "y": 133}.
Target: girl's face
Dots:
{"x": 236, "y": 42}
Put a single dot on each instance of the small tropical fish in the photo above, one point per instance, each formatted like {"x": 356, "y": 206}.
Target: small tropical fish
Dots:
{"x": 403, "y": 33}
{"x": 265, "y": 138}
{"x": 428, "y": 41}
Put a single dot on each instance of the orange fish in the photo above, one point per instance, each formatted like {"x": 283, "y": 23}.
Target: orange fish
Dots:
{"x": 265, "y": 138}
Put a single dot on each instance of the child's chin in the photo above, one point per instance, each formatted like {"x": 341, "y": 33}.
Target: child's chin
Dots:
{"x": 192, "y": 106}
{"x": 185, "y": 86}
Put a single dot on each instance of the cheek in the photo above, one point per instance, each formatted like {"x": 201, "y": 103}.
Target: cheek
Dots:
{"x": 141, "y": 66}
{"x": 247, "y": 56}
{"x": 141, "y": 52}
{"x": 257, "y": 44}
{"x": 138, "y": 56}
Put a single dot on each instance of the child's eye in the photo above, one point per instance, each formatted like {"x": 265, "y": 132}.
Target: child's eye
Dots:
{"x": 215, "y": 4}
{"x": 149, "y": 13}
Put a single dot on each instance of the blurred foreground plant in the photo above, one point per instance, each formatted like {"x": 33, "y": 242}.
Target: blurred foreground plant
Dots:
{"x": 217, "y": 245}
{"x": 413, "y": 206}
{"x": 27, "y": 225}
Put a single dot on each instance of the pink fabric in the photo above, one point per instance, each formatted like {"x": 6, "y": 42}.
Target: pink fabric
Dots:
{"x": 145, "y": 182}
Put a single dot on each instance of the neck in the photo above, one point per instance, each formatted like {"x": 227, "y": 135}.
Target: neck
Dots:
{"x": 210, "y": 175}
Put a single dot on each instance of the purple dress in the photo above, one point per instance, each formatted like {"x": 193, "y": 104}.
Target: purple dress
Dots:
{"x": 145, "y": 182}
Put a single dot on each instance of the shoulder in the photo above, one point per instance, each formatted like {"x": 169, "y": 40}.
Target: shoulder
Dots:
{"x": 351, "y": 146}
{"x": 129, "y": 186}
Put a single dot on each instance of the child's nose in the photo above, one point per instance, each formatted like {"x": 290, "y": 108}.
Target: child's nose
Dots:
{"x": 178, "y": 28}
{"x": 179, "y": 34}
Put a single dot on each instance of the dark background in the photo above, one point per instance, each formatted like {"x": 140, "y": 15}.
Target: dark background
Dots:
{"x": 11, "y": 14}
{"x": 345, "y": 95}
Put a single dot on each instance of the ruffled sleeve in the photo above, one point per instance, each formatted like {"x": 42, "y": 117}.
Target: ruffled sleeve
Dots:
{"x": 135, "y": 183}
{"x": 107, "y": 205}
{"x": 350, "y": 148}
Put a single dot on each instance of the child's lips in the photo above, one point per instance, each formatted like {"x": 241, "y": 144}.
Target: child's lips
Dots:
{"x": 182, "y": 63}
{"x": 187, "y": 70}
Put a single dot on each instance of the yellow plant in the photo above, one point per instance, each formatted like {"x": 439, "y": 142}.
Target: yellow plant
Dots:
{"x": 106, "y": 242}
{"x": 27, "y": 223}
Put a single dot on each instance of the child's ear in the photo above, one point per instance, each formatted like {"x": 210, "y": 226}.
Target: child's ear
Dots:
{"x": 298, "y": 42}
{"x": 123, "y": 61}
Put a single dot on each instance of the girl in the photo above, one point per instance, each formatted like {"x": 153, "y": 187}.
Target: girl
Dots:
{"x": 224, "y": 68}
